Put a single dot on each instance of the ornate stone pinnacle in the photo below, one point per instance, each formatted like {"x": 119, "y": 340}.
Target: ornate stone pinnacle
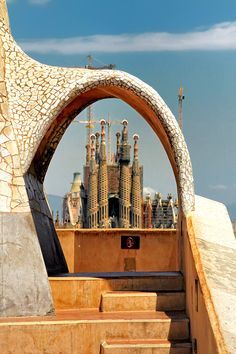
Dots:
{"x": 136, "y": 138}
{"x": 87, "y": 154}
{"x": 97, "y": 146}
{"x": 92, "y": 138}
{"x": 103, "y": 124}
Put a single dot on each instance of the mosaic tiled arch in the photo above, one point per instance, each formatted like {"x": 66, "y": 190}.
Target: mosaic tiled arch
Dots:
{"x": 146, "y": 101}
{"x": 37, "y": 103}
{"x": 38, "y": 96}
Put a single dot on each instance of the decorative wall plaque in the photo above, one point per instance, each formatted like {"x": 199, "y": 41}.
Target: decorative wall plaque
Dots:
{"x": 130, "y": 242}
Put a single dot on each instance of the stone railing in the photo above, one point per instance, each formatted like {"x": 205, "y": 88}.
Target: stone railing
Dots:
{"x": 209, "y": 266}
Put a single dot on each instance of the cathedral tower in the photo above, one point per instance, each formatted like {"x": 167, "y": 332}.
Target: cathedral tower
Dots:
{"x": 117, "y": 147}
{"x": 124, "y": 195}
{"x": 111, "y": 194}
{"x": 103, "y": 217}
{"x": 136, "y": 200}
{"x": 97, "y": 148}
{"x": 93, "y": 189}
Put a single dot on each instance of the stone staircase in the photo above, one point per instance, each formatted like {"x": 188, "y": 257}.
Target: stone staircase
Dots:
{"x": 142, "y": 301}
{"x": 126, "y": 313}
{"x": 147, "y": 346}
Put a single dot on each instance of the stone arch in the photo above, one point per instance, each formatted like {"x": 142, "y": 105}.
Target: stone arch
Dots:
{"x": 37, "y": 103}
{"x": 40, "y": 96}
{"x": 146, "y": 102}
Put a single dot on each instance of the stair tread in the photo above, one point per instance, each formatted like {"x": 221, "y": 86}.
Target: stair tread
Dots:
{"x": 152, "y": 342}
{"x": 68, "y": 291}
{"x": 140, "y": 292}
{"x": 142, "y": 301}
{"x": 128, "y": 293}
{"x": 94, "y": 314}
{"x": 120, "y": 275}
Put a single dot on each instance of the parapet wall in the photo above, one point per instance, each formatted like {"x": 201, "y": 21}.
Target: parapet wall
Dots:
{"x": 209, "y": 263}
{"x": 89, "y": 250}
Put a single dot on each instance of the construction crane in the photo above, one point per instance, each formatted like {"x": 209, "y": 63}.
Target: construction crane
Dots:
{"x": 89, "y": 125}
{"x": 180, "y": 107}
{"x": 90, "y": 65}
{"x": 89, "y": 122}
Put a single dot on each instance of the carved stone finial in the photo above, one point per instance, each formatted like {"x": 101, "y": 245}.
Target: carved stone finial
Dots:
{"x": 136, "y": 138}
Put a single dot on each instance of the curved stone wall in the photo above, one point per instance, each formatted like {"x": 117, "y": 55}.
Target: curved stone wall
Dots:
{"x": 209, "y": 263}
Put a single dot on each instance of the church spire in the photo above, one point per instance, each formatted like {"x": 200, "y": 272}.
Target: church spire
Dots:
{"x": 136, "y": 138}
{"x": 117, "y": 146}
{"x": 97, "y": 147}
{"x": 92, "y": 160}
{"x": 125, "y": 185}
{"x": 125, "y": 147}
{"x": 103, "y": 141}
{"x": 136, "y": 194}
{"x": 93, "y": 189}
{"x": 88, "y": 152}
{"x": 103, "y": 181}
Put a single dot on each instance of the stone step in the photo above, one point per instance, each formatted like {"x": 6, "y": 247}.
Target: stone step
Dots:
{"x": 142, "y": 301}
{"x": 84, "y": 290}
{"x": 83, "y": 331}
{"x": 145, "y": 346}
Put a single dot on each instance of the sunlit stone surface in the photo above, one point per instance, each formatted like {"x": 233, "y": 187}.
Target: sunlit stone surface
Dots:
{"x": 37, "y": 103}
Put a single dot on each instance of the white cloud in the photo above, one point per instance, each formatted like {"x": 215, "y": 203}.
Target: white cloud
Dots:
{"x": 221, "y": 36}
{"x": 148, "y": 190}
{"x": 219, "y": 187}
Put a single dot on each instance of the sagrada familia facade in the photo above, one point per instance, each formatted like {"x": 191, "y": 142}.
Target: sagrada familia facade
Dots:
{"x": 111, "y": 194}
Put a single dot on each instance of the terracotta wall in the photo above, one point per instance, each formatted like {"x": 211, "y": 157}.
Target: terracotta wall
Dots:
{"x": 201, "y": 331}
{"x": 100, "y": 250}
{"x": 204, "y": 326}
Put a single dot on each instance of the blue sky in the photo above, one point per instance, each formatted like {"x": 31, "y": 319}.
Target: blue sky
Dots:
{"x": 166, "y": 44}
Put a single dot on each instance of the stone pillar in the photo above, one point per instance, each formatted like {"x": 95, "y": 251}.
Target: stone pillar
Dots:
{"x": 136, "y": 195}
{"x": 103, "y": 216}
{"x": 93, "y": 189}
{"x": 24, "y": 287}
{"x": 125, "y": 179}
